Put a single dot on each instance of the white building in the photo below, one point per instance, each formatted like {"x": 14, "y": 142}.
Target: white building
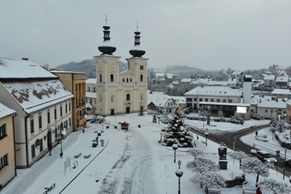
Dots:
{"x": 218, "y": 98}
{"x": 268, "y": 106}
{"x": 91, "y": 98}
{"x": 43, "y": 107}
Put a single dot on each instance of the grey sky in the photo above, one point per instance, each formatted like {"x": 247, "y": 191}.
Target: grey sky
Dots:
{"x": 209, "y": 34}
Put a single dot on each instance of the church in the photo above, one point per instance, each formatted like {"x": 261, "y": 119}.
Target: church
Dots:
{"x": 120, "y": 92}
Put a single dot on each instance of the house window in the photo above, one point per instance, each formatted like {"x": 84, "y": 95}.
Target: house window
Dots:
{"x": 111, "y": 78}
{"x": 39, "y": 120}
{"x": 70, "y": 122}
{"x": 223, "y": 100}
{"x": 130, "y": 79}
{"x": 230, "y": 100}
{"x": 48, "y": 116}
{"x": 3, "y": 132}
{"x": 123, "y": 79}
{"x": 31, "y": 125}
{"x": 206, "y": 99}
{"x": 32, "y": 151}
{"x": 55, "y": 113}
{"x": 69, "y": 106}
{"x": 266, "y": 110}
{"x": 126, "y": 79}
{"x": 100, "y": 78}
{"x": 66, "y": 108}
{"x": 3, "y": 161}
{"x": 56, "y": 133}
{"x": 128, "y": 97}
{"x": 141, "y": 78}
{"x": 200, "y": 99}
{"x": 195, "y": 99}
{"x": 40, "y": 145}
{"x": 141, "y": 67}
{"x": 211, "y": 100}
{"x": 61, "y": 110}
{"x": 218, "y": 100}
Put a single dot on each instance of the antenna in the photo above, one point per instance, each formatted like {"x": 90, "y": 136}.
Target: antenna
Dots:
{"x": 136, "y": 25}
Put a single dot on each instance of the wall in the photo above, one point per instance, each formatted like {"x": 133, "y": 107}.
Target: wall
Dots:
{"x": 7, "y": 147}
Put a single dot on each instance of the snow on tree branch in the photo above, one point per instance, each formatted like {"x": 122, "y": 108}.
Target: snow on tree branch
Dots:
{"x": 209, "y": 179}
{"x": 195, "y": 152}
{"x": 272, "y": 186}
{"x": 253, "y": 165}
{"x": 202, "y": 165}
{"x": 238, "y": 155}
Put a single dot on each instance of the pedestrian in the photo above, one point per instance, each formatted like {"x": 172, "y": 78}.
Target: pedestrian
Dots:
{"x": 197, "y": 137}
{"x": 256, "y": 133}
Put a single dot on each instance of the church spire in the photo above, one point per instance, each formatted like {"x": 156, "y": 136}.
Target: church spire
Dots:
{"x": 137, "y": 51}
{"x": 106, "y": 47}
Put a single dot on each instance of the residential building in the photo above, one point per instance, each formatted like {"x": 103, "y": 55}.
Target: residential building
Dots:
{"x": 268, "y": 106}
{"x": 120, "y": 92}
{"x": 222, "y": 100}
{"x": 281, "y": 93}
{"x": 7, "y": 150}
{"x": 75, "y": 83}
{"x": 91, "y": 96}
{"x": 43, "y": 106}
{"x": 282, "y": 81}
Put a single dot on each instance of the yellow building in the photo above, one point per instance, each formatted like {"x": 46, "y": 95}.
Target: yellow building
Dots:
{"x": 120, "y": 92}
{"x": 75, "y": 82}
{"x": 7, "y": 150}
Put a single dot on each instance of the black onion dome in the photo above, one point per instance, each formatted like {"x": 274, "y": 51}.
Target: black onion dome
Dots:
{"x": 137, "y": 50}
{"x": 106, "y": 48}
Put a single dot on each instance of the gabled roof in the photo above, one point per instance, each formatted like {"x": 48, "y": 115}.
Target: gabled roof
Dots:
{"x": 5, "y": 111}
{"x": 214, "y": 91}
{"x": 283, "y": 78}
{"x": 33, "y": 96}
{"x": 22, "y": 69}
{"x": 277, "y": 91}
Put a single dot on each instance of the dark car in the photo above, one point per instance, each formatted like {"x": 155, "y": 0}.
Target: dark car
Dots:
{"x": 265, "y": 156}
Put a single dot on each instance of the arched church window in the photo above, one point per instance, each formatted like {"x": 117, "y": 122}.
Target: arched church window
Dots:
{"x": 127, "y": 97}
{"x": 141, "y": 78}
{"x": 100, "y": 78}
{"x": 126, "y": 79}
{"x": 111, "y": 78}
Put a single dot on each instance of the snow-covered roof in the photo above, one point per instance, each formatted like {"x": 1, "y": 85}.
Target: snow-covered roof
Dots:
{"x": 269, "y": 102}
{"x": 214, "y": 91}
{"x": 36, "y": 95}
{"x": 22, "y": 69}
{"x": 186, "y": 80}
{"x": 69, "y": 72}
{"x": 284, "y": 78}
{"x": 157, "y": 98}
{"x": 269, "y": 77}
{"x": 90, "y": 94}
{"x": 225, "y": 104}
{"x": 5, "y": 111}
{"x": 91, "y": 81}
{"x": 277, "y": 91}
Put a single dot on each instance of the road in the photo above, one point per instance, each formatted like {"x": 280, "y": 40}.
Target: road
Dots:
{"x": 232, "y": 140}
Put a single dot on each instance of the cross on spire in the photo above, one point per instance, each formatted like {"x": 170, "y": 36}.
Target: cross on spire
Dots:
{"x": 106, "y": 19}
{"x": 136, "y": 25}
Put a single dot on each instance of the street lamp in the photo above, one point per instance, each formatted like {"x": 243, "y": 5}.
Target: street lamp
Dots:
{"x": 60, "y": 136}
{"x": 179, "y": 174}
{"x": 206, "y": 133}
{"x": 175, "y": 147}
{"x": 179, "y": 163}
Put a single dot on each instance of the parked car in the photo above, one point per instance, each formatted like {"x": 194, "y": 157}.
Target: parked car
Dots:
{"x": 265, "y": 156}
{"x": 97, "y": 120}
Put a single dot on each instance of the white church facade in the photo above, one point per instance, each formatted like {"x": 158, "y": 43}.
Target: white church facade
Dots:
{"x": 120, "y": 92}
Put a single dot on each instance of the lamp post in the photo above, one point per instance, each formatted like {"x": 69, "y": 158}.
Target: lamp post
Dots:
{"x": 206, "y": 133}
{"x": 179, "y": 174}
{"x": 179, "y": 163}
{"x": 60, "y": 141}
{"x": 175, "y": 147}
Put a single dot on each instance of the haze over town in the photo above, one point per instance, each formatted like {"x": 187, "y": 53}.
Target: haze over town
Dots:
{"x": 211, "y": 34}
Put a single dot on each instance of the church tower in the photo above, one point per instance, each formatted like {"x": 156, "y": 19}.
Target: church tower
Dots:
{"x": 137, "y": 66}
{"x": 107, "y": 76}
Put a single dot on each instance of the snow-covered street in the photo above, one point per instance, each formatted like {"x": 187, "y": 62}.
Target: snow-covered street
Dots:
{"x": 130, "y": 162}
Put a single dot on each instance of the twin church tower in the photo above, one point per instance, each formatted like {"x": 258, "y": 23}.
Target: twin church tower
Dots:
{"x": 120, "y": 92}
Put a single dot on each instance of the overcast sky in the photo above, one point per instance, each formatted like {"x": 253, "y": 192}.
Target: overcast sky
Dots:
{"x": 208, "y": 34}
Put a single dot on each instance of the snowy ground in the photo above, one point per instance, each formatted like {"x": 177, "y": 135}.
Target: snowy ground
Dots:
{"x": 271, "y": 145}
{"x": 217, "y": 127}
{"x": 130, "y": 162}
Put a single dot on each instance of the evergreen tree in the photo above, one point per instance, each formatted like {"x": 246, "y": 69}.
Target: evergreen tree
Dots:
{"x": 176, "y": 133}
